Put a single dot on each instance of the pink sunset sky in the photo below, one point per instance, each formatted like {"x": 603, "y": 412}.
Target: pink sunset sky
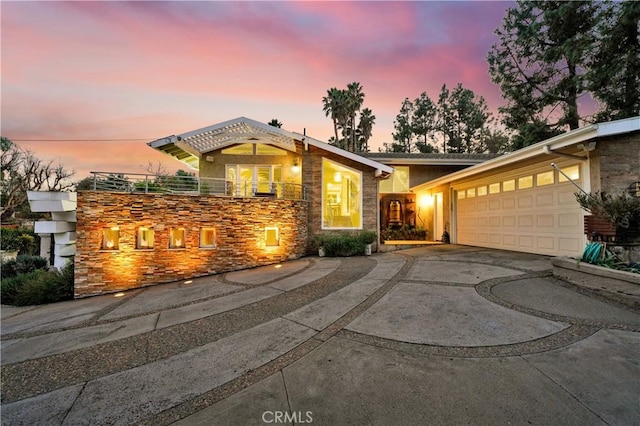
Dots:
{"x": 114, "y": 75}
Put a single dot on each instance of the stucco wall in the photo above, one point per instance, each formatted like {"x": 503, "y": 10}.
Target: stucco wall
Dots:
{"x": 240, "y": 227}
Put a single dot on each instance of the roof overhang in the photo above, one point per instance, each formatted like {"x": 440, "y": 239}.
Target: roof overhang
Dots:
{"x": 429, "y": 161}
{"x": 547, "y": 147}
{"x": 381, "y": 170}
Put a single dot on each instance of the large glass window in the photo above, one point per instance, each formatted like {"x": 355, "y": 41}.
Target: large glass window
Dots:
{"x": 246, "y": 180}
{"x": 341, "y": 196}
{"x": 398, "y": 182}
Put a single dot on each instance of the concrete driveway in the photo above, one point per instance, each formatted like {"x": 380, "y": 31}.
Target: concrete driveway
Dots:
{"x": 434, "y": 335}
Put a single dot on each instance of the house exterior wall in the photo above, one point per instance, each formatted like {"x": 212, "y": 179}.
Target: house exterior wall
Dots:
{"x": 312, "y": 180}
{"x": 615, "y": 163}
{"x": 419, "y": 174}
{"x": 213, "y": 164}
{"x": 240, "y": 236}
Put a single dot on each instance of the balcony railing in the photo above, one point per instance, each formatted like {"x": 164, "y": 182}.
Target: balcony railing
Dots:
{"x": 149, "y": 183}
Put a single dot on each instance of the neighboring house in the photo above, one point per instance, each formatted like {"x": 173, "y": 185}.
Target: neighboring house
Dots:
{"x": 521, "y": 202}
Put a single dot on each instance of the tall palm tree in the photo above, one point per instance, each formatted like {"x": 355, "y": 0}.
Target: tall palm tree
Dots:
{"x": 367, "y": 120}
{"x": 333, "y": 106}
{"x": 355, "y": 99}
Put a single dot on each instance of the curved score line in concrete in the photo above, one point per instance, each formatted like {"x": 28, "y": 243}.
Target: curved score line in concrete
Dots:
{"x": 449, "y": 316}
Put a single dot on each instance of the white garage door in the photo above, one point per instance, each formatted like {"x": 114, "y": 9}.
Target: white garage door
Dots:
{"x": 532, "y": 210}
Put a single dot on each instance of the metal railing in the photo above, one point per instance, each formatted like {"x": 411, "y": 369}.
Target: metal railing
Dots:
{"x": 149, "y": 183}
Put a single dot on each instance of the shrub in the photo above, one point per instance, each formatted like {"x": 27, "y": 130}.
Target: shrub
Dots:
{"x": 343, "y": 245}
{"x": 404, "y": 233}
{"x": 368, "y": 237}
{"x": 22, "y": 264}
{"x": 24, "y": 241}
{"x": 38, "y": 287}
{"x": 621, "y": 210}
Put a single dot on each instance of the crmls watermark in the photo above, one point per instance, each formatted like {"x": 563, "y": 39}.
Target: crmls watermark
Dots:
{"x": 279, "y": 417}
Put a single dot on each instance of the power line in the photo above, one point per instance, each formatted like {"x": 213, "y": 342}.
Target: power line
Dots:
{"x": 81, "y": 140}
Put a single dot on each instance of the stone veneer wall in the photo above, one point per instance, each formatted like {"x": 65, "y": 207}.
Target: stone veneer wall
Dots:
{"x": 240, "y": 237}
{"x": 615, "y": 164}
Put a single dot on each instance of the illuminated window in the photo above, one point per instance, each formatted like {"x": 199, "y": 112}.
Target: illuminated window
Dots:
{"x": 244, "y": 149}
{"x": 545, "y": 178}
{"x": 341, "y": 196}
{"x": 246, "y": 180}
{"x": 482, "y": 190}
{"x": 471, "y": 192}
{"x": 144, "y": 238}
{"x": 494, "y": 188}
{"x": 271, "y": 236}
{"x": 111, "y": 238}
{"x": 572, "y": 171}
{"x": 462, "y": 195}
{"x": 398, "y": 182}
{"x": 525, "y": 182}
{"x": 177, "y": 238}
{"x": 509, "y": 185}
{"x": 207, "y": 237}
{"x": 263, "y": 149}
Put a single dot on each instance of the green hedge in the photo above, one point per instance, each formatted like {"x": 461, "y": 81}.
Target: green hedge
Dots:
{"x": 345, "y": 244}
{"x": 38, "y": 287}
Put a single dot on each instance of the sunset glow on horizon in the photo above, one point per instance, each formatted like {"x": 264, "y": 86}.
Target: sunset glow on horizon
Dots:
{"x": 90, "y": 83}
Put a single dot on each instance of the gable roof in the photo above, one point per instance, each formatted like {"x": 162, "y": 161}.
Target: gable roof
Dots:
{"x": 549, "y": 146}
{"x": 189, "y": 147}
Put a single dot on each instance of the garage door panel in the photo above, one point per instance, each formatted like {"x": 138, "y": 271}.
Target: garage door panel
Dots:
{"x": 525, "y": 221}
{"x": 509, "y": 203}
{"x": 545, "y": 220}
{"x": 544, "y": 200}
{"x": 525, "y": 241}
{"x": 509, "y": 240}
{"x": 542, "y": 219}
{"x": 508, "y": 221}
{"x": 525, "y": 201}
{"x": 566, "y": 198}
{"x": 546, "y": 243}
{"x": 566, "y": 220}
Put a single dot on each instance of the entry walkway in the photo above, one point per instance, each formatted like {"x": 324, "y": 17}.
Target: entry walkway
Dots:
{"x": 433, "y": 335}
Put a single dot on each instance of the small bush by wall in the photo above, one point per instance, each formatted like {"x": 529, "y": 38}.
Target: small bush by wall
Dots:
{"x": 21, "y": 265}
{"x": 38, "y": 287}
{"x": 344, "y": 244}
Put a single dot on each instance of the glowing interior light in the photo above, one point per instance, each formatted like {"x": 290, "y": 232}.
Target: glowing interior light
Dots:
{"x": 110, "y": 243}
{"x": 178, "y": 242}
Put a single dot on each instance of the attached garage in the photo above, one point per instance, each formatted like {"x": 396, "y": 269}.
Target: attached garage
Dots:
{"x": 520, "y": 202}
{"x": 532, "y": 209}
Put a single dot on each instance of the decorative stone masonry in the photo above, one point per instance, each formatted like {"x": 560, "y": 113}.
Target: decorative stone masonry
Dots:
{"x": 240, "y": 229}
